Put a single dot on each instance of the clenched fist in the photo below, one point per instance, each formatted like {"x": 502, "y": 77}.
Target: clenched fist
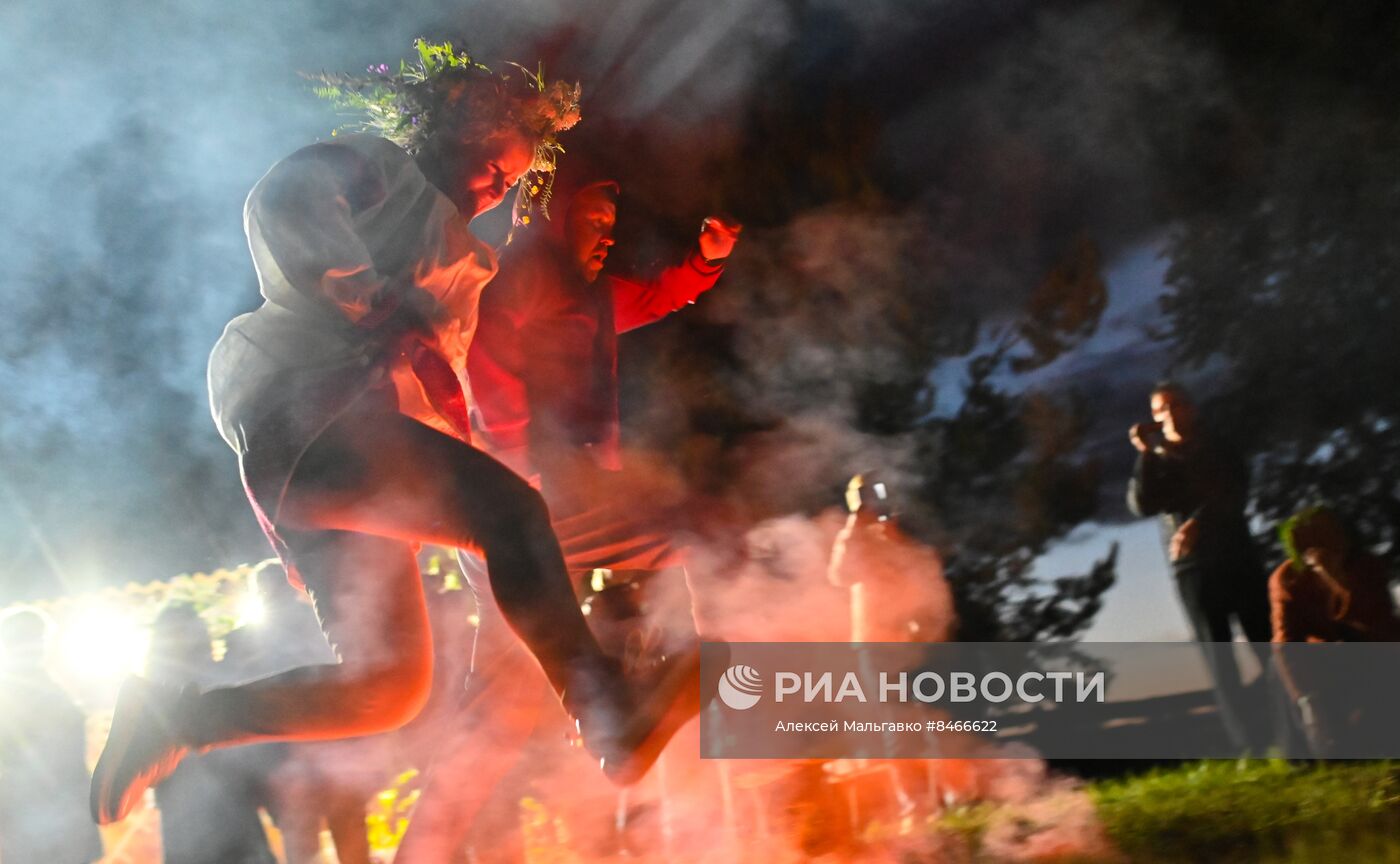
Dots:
{"x": 718, "y": 234}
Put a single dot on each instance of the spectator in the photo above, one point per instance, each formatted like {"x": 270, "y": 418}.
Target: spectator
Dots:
{"x": 898, "y": 593}
{"x": 1199, "y": 487}
{"x": 303, "y": 785}
{"x": 43, "y": 752}
{"x": 208, "y": 809}
{"x": 1329, "y": 590}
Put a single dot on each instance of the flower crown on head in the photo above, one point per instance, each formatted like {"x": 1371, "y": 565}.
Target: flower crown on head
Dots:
{"x": 409, "y": 105}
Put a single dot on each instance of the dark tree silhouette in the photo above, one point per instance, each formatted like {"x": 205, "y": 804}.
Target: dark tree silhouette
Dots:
{"x": 1284, "y": 288}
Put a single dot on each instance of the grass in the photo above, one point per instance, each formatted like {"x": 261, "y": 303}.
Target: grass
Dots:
{"x": 1222, "y": 812}
{"x": 1255, "y": 811}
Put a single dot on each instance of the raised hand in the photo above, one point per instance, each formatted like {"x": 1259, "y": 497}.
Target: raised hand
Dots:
{"x": 718, "y": 234}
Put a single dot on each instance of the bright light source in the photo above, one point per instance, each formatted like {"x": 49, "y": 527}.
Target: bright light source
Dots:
{"x": 103, "y": 643}
{"x": 251, "y": 609}
{"x": 598, "y": 580}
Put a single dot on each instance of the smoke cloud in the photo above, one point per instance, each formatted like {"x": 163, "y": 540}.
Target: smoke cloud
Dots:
{"x": 987, "y": 131}
{"x": 906, "y": 173}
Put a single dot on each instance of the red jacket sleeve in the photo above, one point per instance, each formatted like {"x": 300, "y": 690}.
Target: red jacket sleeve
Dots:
{"x": 636, "y": 304}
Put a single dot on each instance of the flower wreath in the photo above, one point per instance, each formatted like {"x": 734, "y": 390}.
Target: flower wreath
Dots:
{"x": 407, "y": 106}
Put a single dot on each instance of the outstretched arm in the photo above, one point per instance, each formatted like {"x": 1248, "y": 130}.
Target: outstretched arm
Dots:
{"x": 638, "y": 303}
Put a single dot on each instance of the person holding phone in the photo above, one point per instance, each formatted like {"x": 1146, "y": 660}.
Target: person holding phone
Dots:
{"x": 1199, "y": 487}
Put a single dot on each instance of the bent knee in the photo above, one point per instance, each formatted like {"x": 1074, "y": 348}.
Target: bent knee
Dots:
{"x": 519, "y": 516}
{"x": 392, "y": 694}
{"x": 408, "y": 704}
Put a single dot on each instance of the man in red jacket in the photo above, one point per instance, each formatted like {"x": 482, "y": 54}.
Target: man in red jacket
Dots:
{"x": 543, "y": 372}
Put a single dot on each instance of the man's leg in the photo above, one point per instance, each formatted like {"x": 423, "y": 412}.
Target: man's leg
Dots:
{"x": 345, "y": 819}
{"x": 296, "y": 811}
{"x": 603, "y": 519}
{"x": 369, "y": 597}
{"x": 1210, "y": 621}
{"x": 374, "y": 483}
{"x": 386, "y": 475}
{"x": 369, "y": 487}
{"x": 1275, "y": 726}
{"x": 389, "y": 476}
{"x": 1252, "y": 606}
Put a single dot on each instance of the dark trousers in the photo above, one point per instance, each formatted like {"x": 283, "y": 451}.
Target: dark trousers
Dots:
{"x": 1213, "y": 594}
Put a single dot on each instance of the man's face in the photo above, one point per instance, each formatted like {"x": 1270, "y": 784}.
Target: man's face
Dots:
{"x": 589, "y": 230}
{"x": 1174, "y": 414}
{"x": 482, "y": 171}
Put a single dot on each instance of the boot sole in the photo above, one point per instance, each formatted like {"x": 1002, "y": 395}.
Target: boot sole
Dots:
{"x": 126, "y": 721}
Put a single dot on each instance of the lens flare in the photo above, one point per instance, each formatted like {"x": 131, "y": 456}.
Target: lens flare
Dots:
{"x": 103, "y": 644}
{"x": 252, "y": 610}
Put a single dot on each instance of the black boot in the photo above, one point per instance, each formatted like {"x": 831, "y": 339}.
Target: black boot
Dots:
{"x": 626, "y": 723}
{"x": 145, "y": 745}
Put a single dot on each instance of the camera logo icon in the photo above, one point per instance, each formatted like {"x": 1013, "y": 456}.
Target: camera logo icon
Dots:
{"x": 741, "y": 687}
